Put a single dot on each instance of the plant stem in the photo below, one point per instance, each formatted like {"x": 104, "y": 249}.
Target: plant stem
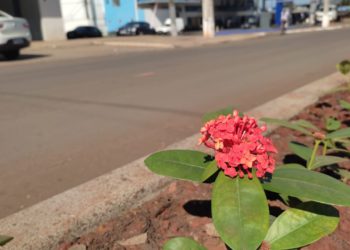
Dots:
{"x": 313, "y": 155}
{"x": 325, "y": 145}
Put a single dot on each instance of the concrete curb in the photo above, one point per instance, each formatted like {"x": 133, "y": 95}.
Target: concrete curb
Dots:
{"x": 82, "y": 208}
{"x": 138, "y": 44}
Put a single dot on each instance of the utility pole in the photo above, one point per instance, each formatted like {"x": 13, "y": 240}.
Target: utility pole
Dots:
{"x": 172, "y": 14}
{"x": 208, "y": 18}
{"x": 325, "y": 18}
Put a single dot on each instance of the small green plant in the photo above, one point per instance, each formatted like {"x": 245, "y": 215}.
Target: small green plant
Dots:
{"x": 336, "y": 140}
{"x": 344, "y": 68}
{"x": 242, "y": 170}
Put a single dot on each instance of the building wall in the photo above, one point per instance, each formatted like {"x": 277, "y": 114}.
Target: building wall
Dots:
{"x": 83, "y": 12}
{"x": 75, "y": 13}
{"x": 51, "y": 20}
{"x": 30, "y": 10}
{"x": 119, "y": 12}
{"x": 156, "y": 16}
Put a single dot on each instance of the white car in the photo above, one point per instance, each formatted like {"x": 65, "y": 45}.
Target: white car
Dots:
{"x": 332, "y": 13}
{"x": 14, "y": 35}
{"x": 166, "y": 28}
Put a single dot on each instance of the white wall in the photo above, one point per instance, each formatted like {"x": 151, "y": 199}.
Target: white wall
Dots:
{"x": 51, "y": 20}
{"x": 75, "y": 13}
{"x": 81, "y": 12}
{"x": 156, "y": 16}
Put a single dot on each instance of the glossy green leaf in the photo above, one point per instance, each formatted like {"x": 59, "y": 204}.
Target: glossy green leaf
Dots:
{"x": 310, "y": 185}
{"x": 240, "y": 211}
{"x": 344, "y": 104}
{"x": 332, "y": 124}
{"x": 305, "y": 124}
{"x": 291, "y": 165}
{"x": 287, "y": 124}
{"x": 182, "y": 243}
{"x": 339, "y": 134}
{"x": 321, "y": 161}
{"x": 297, "y": 227}
{"x": 180, "y": 164}
{"x": 300, "y": 150}
{"x": 5, "y": 239}
{"x": 213, "y": 115}
{"x": 209, "y": 171}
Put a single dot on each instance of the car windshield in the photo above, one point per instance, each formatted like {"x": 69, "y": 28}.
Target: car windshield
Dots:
{"x": 129, "y": 25}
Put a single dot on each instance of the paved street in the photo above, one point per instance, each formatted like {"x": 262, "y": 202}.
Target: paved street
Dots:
{"x": 65, "y": 122}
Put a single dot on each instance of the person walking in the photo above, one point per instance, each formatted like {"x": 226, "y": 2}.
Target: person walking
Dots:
{"x": 284, "y": 20}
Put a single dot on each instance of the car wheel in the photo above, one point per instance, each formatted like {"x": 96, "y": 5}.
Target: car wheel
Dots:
{"x": 11, "y": 55}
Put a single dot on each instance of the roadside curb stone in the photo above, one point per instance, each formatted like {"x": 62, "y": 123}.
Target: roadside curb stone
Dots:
{"x": 81, "y": 209}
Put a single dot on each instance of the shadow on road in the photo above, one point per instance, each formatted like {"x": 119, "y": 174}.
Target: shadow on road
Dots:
{"x": 24, "y": 57}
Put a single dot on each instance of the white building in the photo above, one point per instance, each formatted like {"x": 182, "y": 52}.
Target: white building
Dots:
{"x": 51, "y": 19}
{"x": 83, "y": 12}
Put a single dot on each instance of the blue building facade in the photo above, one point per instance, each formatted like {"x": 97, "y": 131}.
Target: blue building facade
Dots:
{"x": 119, "y": 12}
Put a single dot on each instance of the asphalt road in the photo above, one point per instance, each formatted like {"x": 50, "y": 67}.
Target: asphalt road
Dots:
{"x": 66, "y": 122}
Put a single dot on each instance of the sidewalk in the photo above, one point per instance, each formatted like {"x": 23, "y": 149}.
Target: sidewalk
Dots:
{"x": 154, "y": 41}
{"x": 184, "y": 41}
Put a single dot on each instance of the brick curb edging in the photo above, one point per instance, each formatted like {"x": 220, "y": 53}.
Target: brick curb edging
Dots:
{"x": 80, "y": 209}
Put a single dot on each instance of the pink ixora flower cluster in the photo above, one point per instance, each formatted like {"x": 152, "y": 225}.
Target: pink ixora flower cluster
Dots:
{"x": 239, "y": 145}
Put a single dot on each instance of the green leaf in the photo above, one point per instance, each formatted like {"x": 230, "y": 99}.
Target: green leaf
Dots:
{"x": 310, "y": 185}
{"x": 344, "y": 67}
{"x": 286, "y": 124}
{"x": 345, "y": 174}
{"x": 344, "y": 104}
{"x": 209, "y": 171}
{"x": 300, "y": 150}
{"x": 326, "y": 160}
{"x": 297, "y": 227}
{"x": 291, "y": 165}
{"x": 305, "y": 124}
{"x": 5, "y": 239}
{"x": 240, "y": 211}
{"x": 180, "y": 164}
{"x": 339, "y": 134}
{"x": 332, "y": 124}
{"x": 182, "y": 243}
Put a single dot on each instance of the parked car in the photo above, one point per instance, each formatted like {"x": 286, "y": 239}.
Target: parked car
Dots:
{"x": 166, "y": 27}
{"x": 250, "y": 22}
{"x": 135, "y": 29}
{"x": 332, "y": 13}
{"x": 14, "y": 35}
{"x": 84, "y": 32}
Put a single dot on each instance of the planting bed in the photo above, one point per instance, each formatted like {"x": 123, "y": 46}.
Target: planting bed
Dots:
{"x": 183, "y": 209}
